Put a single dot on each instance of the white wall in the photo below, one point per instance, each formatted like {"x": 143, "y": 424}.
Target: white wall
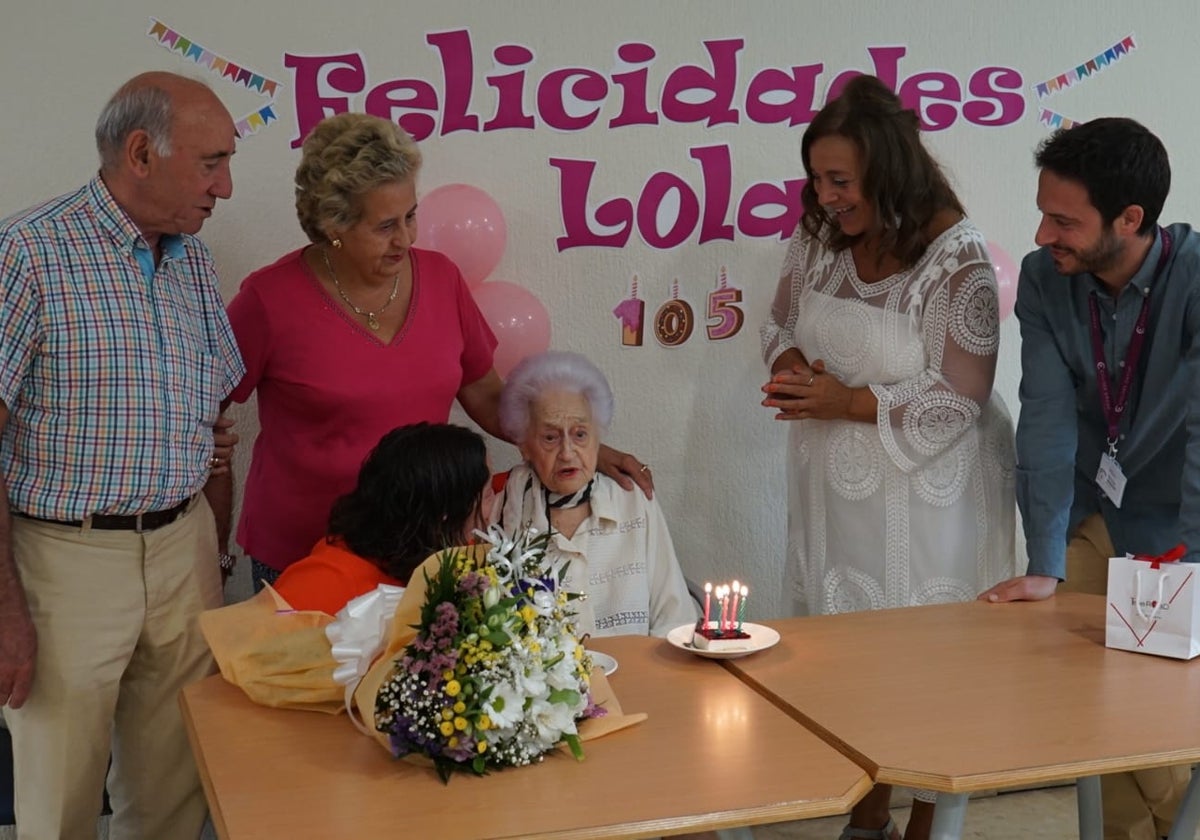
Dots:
{"x": 691, "y": 411}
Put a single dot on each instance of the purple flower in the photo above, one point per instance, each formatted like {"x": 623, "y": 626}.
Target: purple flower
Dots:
{"x": 593, "y": 710}
{"x": 473, "y": 584}
{"x": 445, "y": 626}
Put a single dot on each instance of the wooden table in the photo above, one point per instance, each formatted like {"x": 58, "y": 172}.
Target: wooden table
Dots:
{"x": 712, "y": 754}
{"x": 965, "y": 697}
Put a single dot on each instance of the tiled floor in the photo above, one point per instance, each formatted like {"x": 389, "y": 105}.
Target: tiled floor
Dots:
{"x": 1028, "y": 815}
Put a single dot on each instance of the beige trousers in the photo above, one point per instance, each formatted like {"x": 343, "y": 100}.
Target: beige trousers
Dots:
{"x": 118, "y": 637}
{"x": 1139, "y": 805}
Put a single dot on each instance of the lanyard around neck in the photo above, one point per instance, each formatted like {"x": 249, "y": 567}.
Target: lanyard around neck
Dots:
{"x": 1114, "y": 411}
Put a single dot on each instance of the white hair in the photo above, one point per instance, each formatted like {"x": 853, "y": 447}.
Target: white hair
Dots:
{"x": 548, "y": 371}
{"x": 148, "y": 108}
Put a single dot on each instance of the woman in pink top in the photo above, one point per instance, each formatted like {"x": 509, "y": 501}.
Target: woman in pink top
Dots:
{"x": 351, "y": 336}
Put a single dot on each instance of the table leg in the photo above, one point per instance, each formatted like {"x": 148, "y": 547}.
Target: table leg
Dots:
{"x": 1188, "y": 815}
{"x": 1091, "y": 816}
{"x": 948, "y": 816}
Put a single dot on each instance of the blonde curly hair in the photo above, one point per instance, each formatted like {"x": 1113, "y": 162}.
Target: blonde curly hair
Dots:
{"x": 343, "y": 158}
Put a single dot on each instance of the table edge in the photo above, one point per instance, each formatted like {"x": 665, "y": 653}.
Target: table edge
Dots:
{"x": 214, "y": 806}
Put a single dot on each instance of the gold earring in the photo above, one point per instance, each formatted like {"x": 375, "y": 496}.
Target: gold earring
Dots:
{"x": 336, "y": 242}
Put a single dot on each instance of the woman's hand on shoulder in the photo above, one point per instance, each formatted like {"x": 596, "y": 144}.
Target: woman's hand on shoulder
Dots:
{"x": 626, "y": 470}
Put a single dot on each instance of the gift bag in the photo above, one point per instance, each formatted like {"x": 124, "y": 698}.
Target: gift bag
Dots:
{"x": 1152, "y": 605}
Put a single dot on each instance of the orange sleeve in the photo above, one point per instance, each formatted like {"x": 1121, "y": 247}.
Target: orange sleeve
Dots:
{"x": 314, "y": 586}
{"x": 328, "y": 578}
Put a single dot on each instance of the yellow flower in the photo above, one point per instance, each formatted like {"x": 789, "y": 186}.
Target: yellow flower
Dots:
{"x": 453, "y": 688}
{"x": 460, "y": 707}
{"x": 446, "y": 728}
{"x": 484, "y": 722}
{"x": 447, "y": 714}
{"x": 578, "y": 653}
{"x": 447, "y": 675}
{"x": 528, "y": 614}
{"x": 481, "y": 746}
{"x": 484, "y": 644}
{"x": 453, "y": 742}
{"x": 460, "y": 723}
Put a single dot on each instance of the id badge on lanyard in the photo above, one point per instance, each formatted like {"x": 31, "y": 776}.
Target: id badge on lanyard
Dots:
{"x": 1110, "y": 477}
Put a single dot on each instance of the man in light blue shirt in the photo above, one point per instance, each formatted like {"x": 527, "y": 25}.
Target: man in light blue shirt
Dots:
{"x": 1108, "y": 441}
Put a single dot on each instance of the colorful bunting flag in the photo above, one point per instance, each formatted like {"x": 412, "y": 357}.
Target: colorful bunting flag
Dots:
{"x": 1053, "y": 119}
{"x": 172, "y": 40}
{"x": 252, "y": 122}
{"x": 1086, "y": 69}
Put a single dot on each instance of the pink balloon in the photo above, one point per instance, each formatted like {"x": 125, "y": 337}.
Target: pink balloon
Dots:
{"x": 1006, "y": 278}
{"x": 518, "y": 319}
{"x": 465, "y": 224}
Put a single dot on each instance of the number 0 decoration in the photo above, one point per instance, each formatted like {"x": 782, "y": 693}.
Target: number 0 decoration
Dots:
{"x": 675, "y": 320}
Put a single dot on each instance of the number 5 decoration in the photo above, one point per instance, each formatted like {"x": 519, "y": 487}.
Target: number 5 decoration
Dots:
{"x": 723, "y": 305}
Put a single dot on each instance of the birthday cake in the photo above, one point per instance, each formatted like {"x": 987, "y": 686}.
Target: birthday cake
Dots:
{"x": 710, "y": 638}
{"x": 721, "y": 629}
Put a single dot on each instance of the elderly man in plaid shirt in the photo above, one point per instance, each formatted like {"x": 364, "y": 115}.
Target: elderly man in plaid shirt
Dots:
{"x": 115, "y": 354}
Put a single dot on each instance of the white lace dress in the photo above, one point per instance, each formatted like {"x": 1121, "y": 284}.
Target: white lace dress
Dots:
{"x": 917, "y": 508}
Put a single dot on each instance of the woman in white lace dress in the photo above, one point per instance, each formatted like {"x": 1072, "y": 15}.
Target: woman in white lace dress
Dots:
{"x": 882, "y": 346}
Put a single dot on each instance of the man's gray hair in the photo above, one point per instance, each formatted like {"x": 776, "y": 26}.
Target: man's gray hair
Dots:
{"x": 148, "y": 108}
{"x": 549, "y": 371}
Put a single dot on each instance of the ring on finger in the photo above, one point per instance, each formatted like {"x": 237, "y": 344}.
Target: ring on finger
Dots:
{"x": 812, "y": 379}
{"x": 644, "y": 468}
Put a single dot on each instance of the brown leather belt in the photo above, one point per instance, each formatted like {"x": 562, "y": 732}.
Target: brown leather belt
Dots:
{"x": 139, "y": 522}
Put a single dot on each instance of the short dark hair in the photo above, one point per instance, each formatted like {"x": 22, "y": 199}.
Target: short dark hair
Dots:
{"x": 416, "y": 493}
{"x": 1118, "y": 160}
{"x": 900, "y": 178}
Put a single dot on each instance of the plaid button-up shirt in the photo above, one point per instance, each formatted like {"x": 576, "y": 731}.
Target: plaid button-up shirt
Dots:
{"x": 112, "y": 368}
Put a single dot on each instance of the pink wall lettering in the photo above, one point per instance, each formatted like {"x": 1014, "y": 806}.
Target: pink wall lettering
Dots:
{"x": 719, "y": 89}
{"x": 613, "y": 219}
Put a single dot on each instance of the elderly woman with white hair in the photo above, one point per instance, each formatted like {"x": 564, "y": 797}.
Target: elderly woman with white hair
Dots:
{"x": 556, "y": 407}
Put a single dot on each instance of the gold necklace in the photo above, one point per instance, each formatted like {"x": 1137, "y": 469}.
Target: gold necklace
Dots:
{"x": 372, "y": 320}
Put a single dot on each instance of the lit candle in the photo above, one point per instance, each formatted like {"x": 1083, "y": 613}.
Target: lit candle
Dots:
{"x": 742, "y": 608}
{"x": 707, "y": 602}
{"x": 733, "y": 605}
{"x": 723, "y": 597}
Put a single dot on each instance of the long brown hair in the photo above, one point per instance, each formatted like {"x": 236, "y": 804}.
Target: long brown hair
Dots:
{"x": 899, "y": 177}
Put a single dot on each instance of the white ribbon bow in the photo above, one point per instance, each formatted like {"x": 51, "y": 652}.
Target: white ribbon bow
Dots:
{"x": 356, "y": 637}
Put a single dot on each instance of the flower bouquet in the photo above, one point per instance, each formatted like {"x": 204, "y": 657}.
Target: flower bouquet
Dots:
{"x": 496, "y": 676}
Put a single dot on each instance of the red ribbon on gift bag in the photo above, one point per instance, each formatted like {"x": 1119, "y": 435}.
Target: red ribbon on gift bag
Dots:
{"x": 1172, "y": 556}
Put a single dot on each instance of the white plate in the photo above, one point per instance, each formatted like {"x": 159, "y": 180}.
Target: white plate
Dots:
{"x": 761, "y": 638}
{"x": 603, "y": 661}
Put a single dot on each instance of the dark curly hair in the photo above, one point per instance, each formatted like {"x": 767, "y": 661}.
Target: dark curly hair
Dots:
{"x": 900, "y": 178}
{"x": 417, "y": 492}
{"x": 1118, "y": 160}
